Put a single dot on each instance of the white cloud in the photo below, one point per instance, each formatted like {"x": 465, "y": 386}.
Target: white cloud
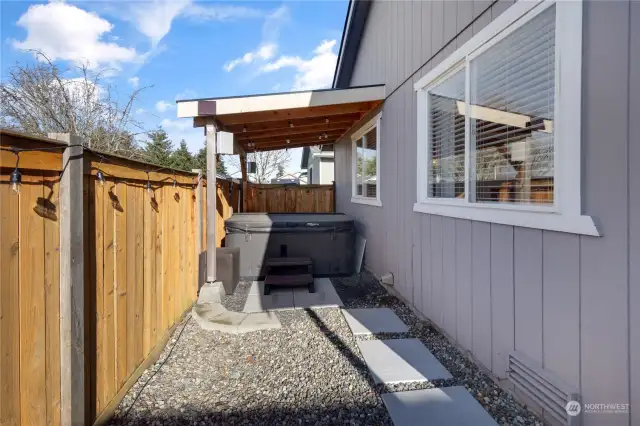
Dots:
{"x": 163, "y": 106}
{"x": 314, "y": 73}
{"x": 140, "y": 111}
{"x": 154, "y": 18}
{"x": 65, "y": 32}
{"x": 134, "y": 82}
{"x": 264, "y": 52}
{"x": 220, "y": 12}
{"x": 183, "y": 129}
{"x": 268, "y": 46}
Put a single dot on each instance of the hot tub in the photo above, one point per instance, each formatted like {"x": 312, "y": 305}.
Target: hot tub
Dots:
{"x": 327, "y": 238}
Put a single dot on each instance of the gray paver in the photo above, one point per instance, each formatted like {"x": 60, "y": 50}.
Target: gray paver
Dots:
{"x": 325, "y": 296}
{"x": 401, "y": 361}
{"x": 373, "y": 321}
{"x": 452, "y": 406}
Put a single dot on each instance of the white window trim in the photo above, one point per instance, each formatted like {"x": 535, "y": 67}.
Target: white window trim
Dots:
{"x": 360, "y": 199}
{"x": 566, "y": 213}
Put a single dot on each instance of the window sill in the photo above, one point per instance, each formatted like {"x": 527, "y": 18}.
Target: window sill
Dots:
{"x": 582, "y": 225}
{"x": 367, "y": 201}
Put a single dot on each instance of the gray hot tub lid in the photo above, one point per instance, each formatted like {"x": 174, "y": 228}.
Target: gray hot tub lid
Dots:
{"x": 243, "y": 222}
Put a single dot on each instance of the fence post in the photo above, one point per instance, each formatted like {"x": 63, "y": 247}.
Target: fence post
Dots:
{"x": 200, "y": 260}
{"x": 72, "y": 314}
{"x": 212, "y": 197}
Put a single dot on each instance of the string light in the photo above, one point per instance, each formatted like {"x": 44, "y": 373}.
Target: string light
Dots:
{"x": 149, "y": 187}
{"x": 16, "y": 179}
{"x": 100, "y": 177}
{"x": 288, "y": 140}
{"x": 325, "y": 135}
{"x": 326, "y": 120}
{"x": 244, "y": 129}
{"x": 290, "y": 124}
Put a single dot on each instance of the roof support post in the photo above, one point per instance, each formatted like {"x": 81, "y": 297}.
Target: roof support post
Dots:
{"x": 243, "y": 168}
{"x": 72, "y": 309}
{"x": 211, "y": 132}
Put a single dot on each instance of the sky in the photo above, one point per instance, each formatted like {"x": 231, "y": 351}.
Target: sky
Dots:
{"x": 181, "y": 49}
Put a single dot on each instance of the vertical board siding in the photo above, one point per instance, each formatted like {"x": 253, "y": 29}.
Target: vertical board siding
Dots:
{"x": 29, "y": 301}
{"x": 145, "y": 279}
{"x": 463, "y": 284}
{"x": 481, "y": 292}
{"x": 604, "y": 285}
{"x": 569, "y": 302}
{"x": 9, "y": 300}
{"x": 502, "y": 297}
{"x": 132, "y": 261}
{"x": 528, "y": 270}
{"x": 449, "y": 261}
{"x": 32, "y": 305}
{"x": 561, "y": 305}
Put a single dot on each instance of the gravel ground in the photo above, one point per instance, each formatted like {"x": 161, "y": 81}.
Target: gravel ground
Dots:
{"x": 308, "y": 372}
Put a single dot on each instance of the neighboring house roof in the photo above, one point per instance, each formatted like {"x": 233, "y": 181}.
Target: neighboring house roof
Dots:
{"x": 354, "y": 23}
{"x": 309, "y": 151}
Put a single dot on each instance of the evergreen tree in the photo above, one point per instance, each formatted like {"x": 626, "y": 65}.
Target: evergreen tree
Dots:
{"x": 181, "y": 158}
{"x": 200, "y": 161}
{"x": 159, "y": 148}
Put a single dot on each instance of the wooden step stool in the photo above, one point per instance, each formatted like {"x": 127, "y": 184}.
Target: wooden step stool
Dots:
{"x": 289, "y": 272}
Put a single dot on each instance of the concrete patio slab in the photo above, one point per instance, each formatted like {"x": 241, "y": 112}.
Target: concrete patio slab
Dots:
{"x": 401, "y": 361}
{"x": 325, "y": 296}
{"x": 278, "y": 299}
{"x": 373, "y": 321}
{"x": 452, "y": 406}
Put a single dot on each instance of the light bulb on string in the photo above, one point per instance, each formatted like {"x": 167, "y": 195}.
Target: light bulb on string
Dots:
{"x": 15, "y": 180}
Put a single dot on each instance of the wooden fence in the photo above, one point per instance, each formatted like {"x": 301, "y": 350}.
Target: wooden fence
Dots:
{"x": 142, "y": 268}
{"x": 276, "y": 198}
{"x": 140, "y": 276}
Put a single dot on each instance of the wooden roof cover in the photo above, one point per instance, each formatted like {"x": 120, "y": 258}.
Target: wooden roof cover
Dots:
{"x": 285, "y": 120}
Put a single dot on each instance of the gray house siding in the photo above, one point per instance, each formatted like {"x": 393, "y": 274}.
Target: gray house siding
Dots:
{"x": 570, "y": 302}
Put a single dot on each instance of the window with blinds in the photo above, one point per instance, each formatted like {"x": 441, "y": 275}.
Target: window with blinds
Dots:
{"x": 502, "y": 130}
{"x": 512, "y": 109}
{"x": 365, "y": 165}
{"x": 446, "y": 179}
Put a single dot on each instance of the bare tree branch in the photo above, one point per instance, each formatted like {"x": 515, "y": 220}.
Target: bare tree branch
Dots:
{"x": 40, "y": 98}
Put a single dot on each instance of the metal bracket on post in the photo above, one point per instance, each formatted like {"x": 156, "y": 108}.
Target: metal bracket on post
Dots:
{"x": 72, "y": 309}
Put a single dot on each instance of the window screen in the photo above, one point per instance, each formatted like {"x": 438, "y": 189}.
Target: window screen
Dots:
{"x": 511, "y": 113}
{"x": 446, "y": 113}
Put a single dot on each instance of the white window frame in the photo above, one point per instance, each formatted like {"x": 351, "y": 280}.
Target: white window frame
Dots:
{"x": 566, "y": 213}
{"x": 361, "y": 199}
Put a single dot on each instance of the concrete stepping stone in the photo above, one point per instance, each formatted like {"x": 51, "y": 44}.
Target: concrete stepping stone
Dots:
{"x": 373, "y": 321}
{"x": 401, "y": 361}
{"x": 325, "y": 296}
{"x": 453, "y": 406}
